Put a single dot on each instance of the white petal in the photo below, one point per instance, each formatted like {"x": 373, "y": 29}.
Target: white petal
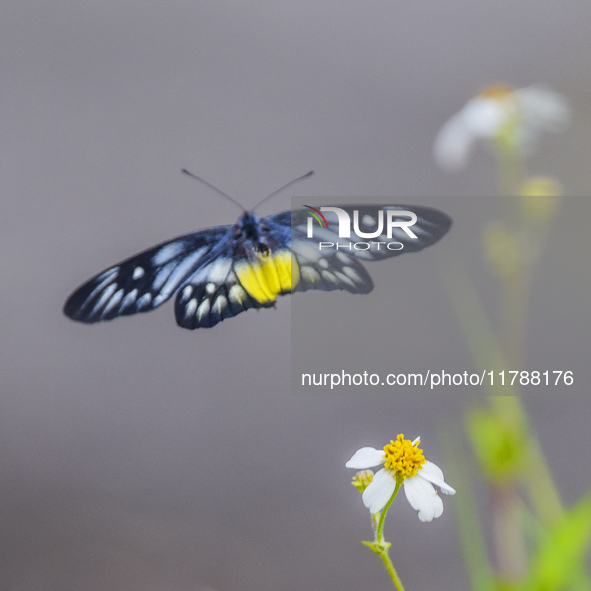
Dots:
{"x": 453, "y": 143}
{"x": 543, "y": 109}
{"x": 484, "y": 116}
{"x": 432, "y": 472}
{"x": 379, "y": 491}
{"x": 366, "y": 457}
{"x": 423, "y": 497}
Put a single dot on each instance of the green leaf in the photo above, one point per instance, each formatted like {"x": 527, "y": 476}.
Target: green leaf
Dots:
{"x": 559, "y": 562}
{"x": 500, "y": 447}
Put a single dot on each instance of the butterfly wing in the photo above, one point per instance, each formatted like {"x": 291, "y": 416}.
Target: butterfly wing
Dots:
{"x": 215, "y": 292}
{"x": 330, "y": 268}
{"x": 254, "y": 268}
{"x": 217, "y": 274}
{"x": 146, "y": 280}
{"x": 430, "y": 226}
{"x": 328, "y": 271}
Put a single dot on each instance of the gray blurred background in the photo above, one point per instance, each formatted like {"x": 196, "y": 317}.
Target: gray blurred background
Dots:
{"x": 137, "y": 455}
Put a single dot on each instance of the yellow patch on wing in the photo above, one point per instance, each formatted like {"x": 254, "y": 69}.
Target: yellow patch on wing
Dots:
{"x": 264, "y": 279}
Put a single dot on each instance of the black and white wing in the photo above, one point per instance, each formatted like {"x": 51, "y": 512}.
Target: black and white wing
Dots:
{"x": 430, "y": 226}
{"x": 331, "y": 268}
{"x": 328, "y": 270}
{"x": 212, "y": 294}
{"x": 218, "y": 274}
{"x": 146, "y": 280}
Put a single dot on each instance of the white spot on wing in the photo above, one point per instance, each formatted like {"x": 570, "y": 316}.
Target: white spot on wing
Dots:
{"x": 104, "y": 280}
{"x": 344, "y": 279}
{"x": 203, "y": 309}
{"x": 219, "y": 271}
{"x": 368, "y": 220}
{"x": 144, "y": 301}
{"x": 110, "y": 273}
{"x": 109, "y": 291}
{"x": 128, "y": 300}
{"x": 114, "y": 301}
{"x": 181, "y": 271}
{"x": 186, "y": 293}
{"x": 309, "y": 274}
{"x": 352, "y": 273}
{"x": 159, "y": 299}
{"x": 168, "y": 252}
{"x": 190, "y": 308}
{"x": 237, "y": 295}
{"x": 323, "y": 263}
{"x": 220, "y": 303}
{"x": 305, "y": 250}
{"x": 163, "y": 275}
{"x": 210, "y": 288}
{"x": 138, "y": 272}
{"x": 329, "y": 277}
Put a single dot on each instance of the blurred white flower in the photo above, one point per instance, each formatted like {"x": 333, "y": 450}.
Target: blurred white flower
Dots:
{"x": 515, "y": 116}
{"x": 405, "y": 464}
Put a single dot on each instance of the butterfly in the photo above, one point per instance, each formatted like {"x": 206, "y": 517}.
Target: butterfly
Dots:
{"x": 219, "y": 272}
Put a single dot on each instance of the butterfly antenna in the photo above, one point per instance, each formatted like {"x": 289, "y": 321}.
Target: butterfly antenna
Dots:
{"x": 198, "y": 178}
{"x": 300, "y": 178}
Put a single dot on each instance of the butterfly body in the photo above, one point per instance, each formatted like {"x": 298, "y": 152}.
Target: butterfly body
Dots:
{"x": 220, "y": 272}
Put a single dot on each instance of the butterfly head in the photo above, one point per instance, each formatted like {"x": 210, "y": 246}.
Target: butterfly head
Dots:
{"x": 250, "y": 237}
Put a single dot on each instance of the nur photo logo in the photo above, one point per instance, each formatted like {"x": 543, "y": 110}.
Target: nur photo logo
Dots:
{"x": 383, "y": 222}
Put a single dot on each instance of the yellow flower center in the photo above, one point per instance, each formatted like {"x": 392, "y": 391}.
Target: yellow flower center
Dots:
{"x": 497, "y": 91}
{"x": 403, "y": 458}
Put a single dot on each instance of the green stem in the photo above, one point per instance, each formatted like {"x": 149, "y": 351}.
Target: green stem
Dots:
{"x": 383, "y": 546}
{"x": 391, "y": 570}
{"x": 380, "y": 530}
{"x": 510, "y": 162}
{"x": 380, "y": 546}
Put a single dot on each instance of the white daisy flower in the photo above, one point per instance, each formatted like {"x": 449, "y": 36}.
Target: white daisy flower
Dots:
{"x": 405, "y": 464}
{"x": 516, "y": 116}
